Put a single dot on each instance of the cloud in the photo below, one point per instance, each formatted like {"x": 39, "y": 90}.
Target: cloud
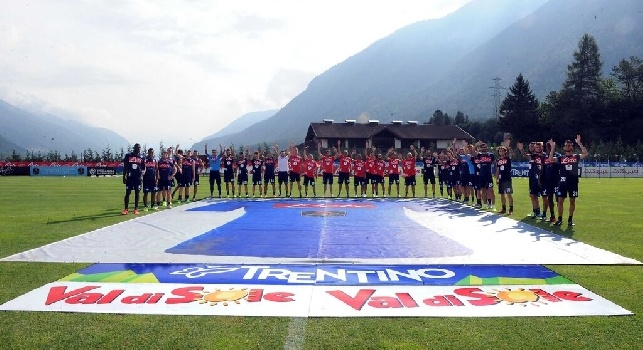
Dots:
{"x": 286, "y": 84}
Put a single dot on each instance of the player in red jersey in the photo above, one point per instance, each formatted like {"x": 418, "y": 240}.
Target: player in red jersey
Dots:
{"x": 328, "y": 167}
{"x": 344, "y": 170}
{"x": 369, "y": 158}
{"x": 359, "y": 175}
{"x": 295, "y": 162}
{"x": 393, "y": 171}
{"x": 309, "y": 169}
{"x": 408, "y": 171}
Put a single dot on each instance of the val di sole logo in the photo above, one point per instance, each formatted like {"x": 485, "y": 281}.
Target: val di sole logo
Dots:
{"x": 323, "y": 213}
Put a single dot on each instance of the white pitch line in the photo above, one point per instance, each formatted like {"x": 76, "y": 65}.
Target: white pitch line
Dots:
{"x": 296, "y": 333}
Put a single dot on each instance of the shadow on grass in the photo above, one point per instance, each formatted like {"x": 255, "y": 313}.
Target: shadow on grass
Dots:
{"x": 565, "y": 231}
{"x": 107, "y": 214}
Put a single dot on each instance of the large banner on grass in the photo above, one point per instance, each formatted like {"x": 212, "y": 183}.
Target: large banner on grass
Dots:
{"x": 317, "y": 291}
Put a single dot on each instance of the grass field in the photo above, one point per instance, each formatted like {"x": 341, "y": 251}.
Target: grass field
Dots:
{"x": 36, "y": 211}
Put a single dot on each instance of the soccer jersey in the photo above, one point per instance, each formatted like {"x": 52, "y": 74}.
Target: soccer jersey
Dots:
{"x": 408, "y": 167}
{"x": 257, "y": 164}
{"x": 242, "y": 166}
{"x": 269, "y": 164}
{"x": 150, "y": 169}
{"x": 327, "y": 163}
{"x": 228, "y": 164}
{"x": 536, "y": 161}
{"x": 166, "y": 168}
{"x": 187, "y": 166}
{"x": 134, "y": 165}
{"x": 359, "y": 167}
{"x": 295, "y": 164}
{"x": 569, "y": 167}
{"x": 484, "y": 164}
{"x": 394, "y": 166}
{"x": 282, "y": 164}
{"x": 552, "y": 169}
{"x": 215, "y": 162}
{"x": 380, "y": 165}
{"x": 504, "y": 168}
{"x": 344, "y": 164}
{"x": 370, "y": 165}
{"x": 428, "y": 164}
{"x": 310, "y": 168}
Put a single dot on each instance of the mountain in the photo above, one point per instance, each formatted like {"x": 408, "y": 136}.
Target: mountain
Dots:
{"x": 7, "y": 147}
{"x": 243, "y": 122}
{"x": 44, "y": 132}
{"x": 449, "y": 63}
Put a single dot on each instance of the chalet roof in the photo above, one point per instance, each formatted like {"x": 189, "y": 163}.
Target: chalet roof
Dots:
{"x": 401, "y": 131}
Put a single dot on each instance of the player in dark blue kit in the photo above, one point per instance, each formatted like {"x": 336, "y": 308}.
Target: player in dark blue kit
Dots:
{"x": 242, "y": 173}
{"x": 269, "y": 172}
{"x": 198, "y": 168}
{"x": 214, "y": 160}
{"x": 133, "y": 168}
{"x": 568, "y": 184}
{"x": 444, "y": 175}
{"x": 551, "y": 176}
{"x": 187, "y": 176}
{"x": 503, "y": 178}
{"x": 536, "y": 161}
{"x": 150, "y": 179}
{"x": 485, "y": 160}
{"x": 167, "y": 168}
{"x": 257, "y": 168}
{"x": 228, "y": 171}
{"x": 429, "y": 162}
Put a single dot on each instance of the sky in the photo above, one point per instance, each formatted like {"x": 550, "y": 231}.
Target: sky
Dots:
{"x": 176, "y": 71}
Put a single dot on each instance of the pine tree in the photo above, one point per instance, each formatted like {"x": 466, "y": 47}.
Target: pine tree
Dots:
{"x": 519, "y": 112}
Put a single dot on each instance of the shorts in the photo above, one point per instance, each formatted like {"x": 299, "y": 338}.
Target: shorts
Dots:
{"x": 242, "y": 179}
{"x": 164, "y": 184}
{"x": 196, "y": 180}
{"x": 377, "y": 179}
{"x": 309, "y": 181}
{"x": 550, "y": 188}
{"x": 368, "y": 178}
{"x": 343, "y": 178}
{"x": 505, "y": 187}
{"x": 485, "y": 182}
{"x": 256, "y": 179}
{"x": 282, "y": 177}
{"x": 534, "y": 187}
{"x": 359, "y": 180}
{"x": 394, "y": 179}
{"x": 149, "y": 185}
{"x": 294, "y": 177}
{"x": 429, "y": 177}
{"x": 567, "y": 188}
{"x": 228, "y": 176}
{"x": 269, "y": 177}
{"x": 409, "y": 181}
{"x": 133, "y": 184}
{"x": 465, "y": 180}
{"x": 327, "y": 178}
{"x": 215, "y": 176}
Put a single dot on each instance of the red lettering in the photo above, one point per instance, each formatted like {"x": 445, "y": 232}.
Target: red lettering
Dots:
{"x": 57, "y": 294}
{"x": 155, "y": 298}
{"x": 406, "y": 299}
{"x": 438, "y": 300}
{"x": 85, "y": 298}
{"x": 279, "y": 297}
{"x": 357, "y": 302}
{"x": 480, "y": 297}
{"x": 453, "y": 300}
{"x": 186, "y": 294}
{"x": 571, "y": 296}
{"x": 137, "y": 299}
{"x": 255, "y": 295}
{"x": 385, "y": 303}
{"x": 543, "y": 294}
{"x": 111, "y": 296}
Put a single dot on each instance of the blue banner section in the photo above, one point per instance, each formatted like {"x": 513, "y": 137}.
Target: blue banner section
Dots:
{"x": 320, "y": 229}
{"x": 57, "y": 170}
{"x": 326, "y": 274}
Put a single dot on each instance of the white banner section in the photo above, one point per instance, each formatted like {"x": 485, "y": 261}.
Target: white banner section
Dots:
{"x": 316, "y": 301}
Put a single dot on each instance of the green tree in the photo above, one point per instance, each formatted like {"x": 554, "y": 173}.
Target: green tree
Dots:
{"x": 437, "y": 118}
{"x": 629, "y": 74}
{"x": 519, "y": 112}
{"x": 15, "y": 157}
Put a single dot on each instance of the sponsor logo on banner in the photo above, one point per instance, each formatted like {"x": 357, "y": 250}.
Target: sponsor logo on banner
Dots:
{"x": 313, "y": 301}
{"x": 319, "y": 274}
